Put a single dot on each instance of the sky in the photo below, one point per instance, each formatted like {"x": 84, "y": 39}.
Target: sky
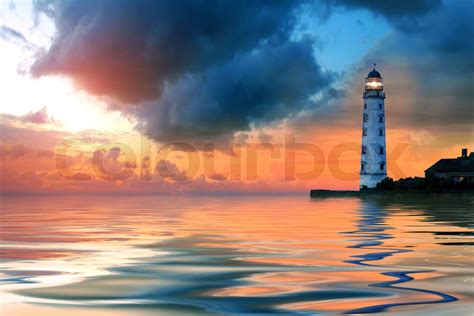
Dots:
{"x": 218, "y": 96}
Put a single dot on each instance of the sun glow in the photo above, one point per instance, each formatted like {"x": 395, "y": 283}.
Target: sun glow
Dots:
{"x": 72, "y": 109}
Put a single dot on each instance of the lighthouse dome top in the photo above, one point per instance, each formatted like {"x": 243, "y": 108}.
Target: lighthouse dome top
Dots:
{"x": 374, "y": 82}
{"x": 374, "y": 74}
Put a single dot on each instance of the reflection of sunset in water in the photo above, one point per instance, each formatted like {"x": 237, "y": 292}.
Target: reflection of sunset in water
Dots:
{"x": 221, "y": 255}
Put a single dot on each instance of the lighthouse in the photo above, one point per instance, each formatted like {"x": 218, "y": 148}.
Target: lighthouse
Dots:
{"x": 373, "y": 163}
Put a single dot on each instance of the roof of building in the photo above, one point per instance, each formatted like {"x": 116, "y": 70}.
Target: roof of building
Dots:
{"x": 459, "y": 164}
{"x": 374, "y": 74}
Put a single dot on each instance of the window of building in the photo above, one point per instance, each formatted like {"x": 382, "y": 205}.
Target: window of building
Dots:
{"x": 380, "y": 118}
{"x": 381, "y": 132}
{"x": 380, "y": 106}
{"x": 382, "y": 166}
{"x": 365, "y": 105}
{"x": 381, "y": 150}
{"x": 366, "y": 117}
{"x": 364, "y": 150}
{"x": 364, "y": 131}
{"x": 362, "y": 167}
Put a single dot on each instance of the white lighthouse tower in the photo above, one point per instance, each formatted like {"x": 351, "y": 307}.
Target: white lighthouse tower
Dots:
{"x": 373, "y": 163}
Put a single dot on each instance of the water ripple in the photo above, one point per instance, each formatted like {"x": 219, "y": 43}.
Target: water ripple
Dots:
{"x": 235, "y": 256}
{"x": 371, "y": 226}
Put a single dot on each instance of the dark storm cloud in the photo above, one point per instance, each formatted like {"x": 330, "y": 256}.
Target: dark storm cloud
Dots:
{"x": 437, "y": 55}
{"x": 253, "y": 88}
{"x": 128, "y": 49}
{"x": 204, "y": 70}
{"x": 187, "y": 69}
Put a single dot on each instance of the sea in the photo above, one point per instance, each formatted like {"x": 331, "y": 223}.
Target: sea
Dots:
{"x": 236, "y": 255}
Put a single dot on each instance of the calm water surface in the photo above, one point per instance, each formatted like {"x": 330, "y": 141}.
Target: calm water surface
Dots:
{"x": 90, "y": 255}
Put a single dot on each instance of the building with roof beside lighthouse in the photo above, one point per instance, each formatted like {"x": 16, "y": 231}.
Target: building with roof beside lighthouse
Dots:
{"x": 373, "y": 163}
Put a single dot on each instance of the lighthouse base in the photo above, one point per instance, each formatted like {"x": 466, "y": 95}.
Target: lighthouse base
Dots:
{"x": 370, "y": 181}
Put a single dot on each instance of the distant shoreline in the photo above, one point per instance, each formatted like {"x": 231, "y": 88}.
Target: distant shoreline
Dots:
{"x": 321, "y": 193}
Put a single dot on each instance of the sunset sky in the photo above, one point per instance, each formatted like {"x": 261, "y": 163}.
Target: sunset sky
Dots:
{"x": 211, "y": 96}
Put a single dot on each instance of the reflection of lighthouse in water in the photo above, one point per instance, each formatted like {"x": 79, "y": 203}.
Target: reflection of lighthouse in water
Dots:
{"x": 373, "y": 162}
{"x": 371, "y": 233}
